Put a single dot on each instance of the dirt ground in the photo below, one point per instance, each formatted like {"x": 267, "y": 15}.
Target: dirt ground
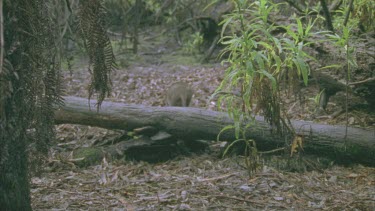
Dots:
{"x": 196, "y": 182}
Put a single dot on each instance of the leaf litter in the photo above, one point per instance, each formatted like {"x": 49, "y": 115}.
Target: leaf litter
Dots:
{"x": 196, "y": 182}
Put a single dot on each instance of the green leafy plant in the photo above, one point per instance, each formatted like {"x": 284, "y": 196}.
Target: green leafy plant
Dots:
{"x": 260, "y": 62}
{"x": 317, "y": 97}
{"x": 342, "y": 41}
{"x": 363, "y": 15}
{"x": 193, "y": 45}
{"x": 250, "y": 153}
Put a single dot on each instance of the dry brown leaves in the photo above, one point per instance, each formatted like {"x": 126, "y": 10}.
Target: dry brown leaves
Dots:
{"x": 202, "y": 182}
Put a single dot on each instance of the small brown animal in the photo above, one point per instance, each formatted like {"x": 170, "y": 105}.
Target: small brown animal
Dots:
{"x": 179, "y": 94}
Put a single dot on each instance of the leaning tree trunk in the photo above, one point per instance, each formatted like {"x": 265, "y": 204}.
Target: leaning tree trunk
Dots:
{"x": 194, "y": 123}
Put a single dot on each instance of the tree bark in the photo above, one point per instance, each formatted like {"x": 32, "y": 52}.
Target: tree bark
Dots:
{"x": 194, "y": 123}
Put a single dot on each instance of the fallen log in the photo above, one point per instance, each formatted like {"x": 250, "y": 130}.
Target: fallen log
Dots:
{"x": 194, "y": 123}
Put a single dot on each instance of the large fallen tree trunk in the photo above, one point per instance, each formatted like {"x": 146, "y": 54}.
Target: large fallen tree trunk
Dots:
{"x": 194, "y": 123}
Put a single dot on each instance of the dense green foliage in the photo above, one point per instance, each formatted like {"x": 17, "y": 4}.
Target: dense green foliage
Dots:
{"x": 265, "y": 57}
{"x": 260, "y": 62}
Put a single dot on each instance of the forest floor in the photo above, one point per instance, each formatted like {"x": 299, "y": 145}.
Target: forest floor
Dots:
{"x": 201, "y": 181}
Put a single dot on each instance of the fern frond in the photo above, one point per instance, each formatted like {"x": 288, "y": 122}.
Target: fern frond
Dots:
{"x": 91, "y": 25}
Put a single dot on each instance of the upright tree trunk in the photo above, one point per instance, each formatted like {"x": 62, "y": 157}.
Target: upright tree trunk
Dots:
{"x": 20, "y": 79}
{"x": 14, "y": 181}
